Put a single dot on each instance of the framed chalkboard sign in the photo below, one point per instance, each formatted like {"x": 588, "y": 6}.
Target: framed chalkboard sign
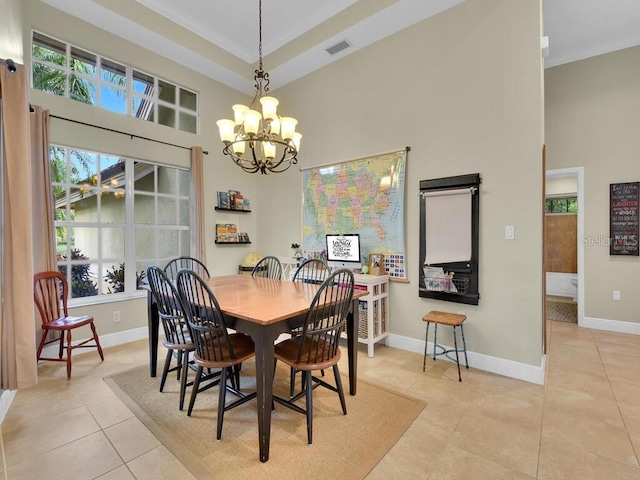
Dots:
{"x": 623, "y": 226}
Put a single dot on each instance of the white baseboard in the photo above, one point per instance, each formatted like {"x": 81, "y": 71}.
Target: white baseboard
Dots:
{"x": 108, "y": 340}
{"x": 500, "y": 366}
{"x": 611, "y": 325}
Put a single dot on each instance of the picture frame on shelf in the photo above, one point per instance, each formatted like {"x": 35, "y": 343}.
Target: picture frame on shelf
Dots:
{"x": 376, "y": 264}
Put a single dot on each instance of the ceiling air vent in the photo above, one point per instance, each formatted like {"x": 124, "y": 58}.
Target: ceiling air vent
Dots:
{"x": 338, "y": 47}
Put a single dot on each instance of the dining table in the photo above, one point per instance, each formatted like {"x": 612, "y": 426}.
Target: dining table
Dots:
{"x": 264, "y": 308}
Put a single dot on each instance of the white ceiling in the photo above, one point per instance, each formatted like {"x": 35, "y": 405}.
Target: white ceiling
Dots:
{"x": 219, "y": 38}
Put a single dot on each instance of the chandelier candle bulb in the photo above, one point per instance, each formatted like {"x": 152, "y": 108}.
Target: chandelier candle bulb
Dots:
{"x": 296, "y": 140}
{"x": 238, "y": 113}
{"x": 238, "y": 147}
{"x": 252, "y": 122}
{"x": 275, "y": 126}
{"x": 269, "y": 149}
{"x": 227, "y": 133}
{"x": 287, "y": 127}
{"x": 269, "y": 107}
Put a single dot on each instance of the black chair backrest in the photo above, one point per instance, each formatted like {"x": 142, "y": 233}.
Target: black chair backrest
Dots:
{"x": 313, "y": 271}
{"x": 170, "y": 306}
{"x": 205, "y": 318}
{"x": 174, "y": 266}
{"x": 320, "y": 336}
{"x": 268, "y": 267}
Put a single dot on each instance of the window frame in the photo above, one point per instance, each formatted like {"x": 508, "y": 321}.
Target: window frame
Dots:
{"x": 548, "y": 202}
{"x": 129, "y": 225}
{"x": 128, "y": 89}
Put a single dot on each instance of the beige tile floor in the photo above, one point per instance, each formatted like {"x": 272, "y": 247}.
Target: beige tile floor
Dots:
{"x": 583, "y": 424}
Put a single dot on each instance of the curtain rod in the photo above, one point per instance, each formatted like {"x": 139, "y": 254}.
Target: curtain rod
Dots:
{"x": 123, "y": 133}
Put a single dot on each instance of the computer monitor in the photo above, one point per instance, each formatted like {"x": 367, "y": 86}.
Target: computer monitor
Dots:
{"x": 343, "y": 250}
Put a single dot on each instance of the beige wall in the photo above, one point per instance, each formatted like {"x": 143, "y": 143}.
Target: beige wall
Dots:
{"x": 561, "y": 186}
{"x": 592, "y": 121}
{"x": 11, "y": 16}
{"x": 215, "y": 103}
{"x": 464, "y": 91}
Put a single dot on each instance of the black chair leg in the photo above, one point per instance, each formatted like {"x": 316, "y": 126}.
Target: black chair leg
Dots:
{"x": 292, "y": 382}
{"x": 183, "y": 381}
{"x": 307, "y": 376}
{"x": 221, "y": 401}
{"x": 194, "y": 391}
{"x": 165, "y": 371}
{"x": 336, "y": 373}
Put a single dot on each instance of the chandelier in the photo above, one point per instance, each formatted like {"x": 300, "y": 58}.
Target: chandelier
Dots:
{"x": 260, "y": 142}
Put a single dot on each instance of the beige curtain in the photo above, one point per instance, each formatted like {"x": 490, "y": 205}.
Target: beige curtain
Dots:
{"x": 198, "y": 243}
{"x": 44, "y": 233}
{"x": 19, "y": 368}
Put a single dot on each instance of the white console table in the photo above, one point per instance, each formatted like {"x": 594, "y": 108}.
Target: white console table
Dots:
{"x": 373, "y": 314}
{"x": 373, "y": 324}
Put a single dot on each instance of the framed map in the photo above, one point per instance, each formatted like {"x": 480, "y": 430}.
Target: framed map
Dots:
{"x": 364, "y": 196}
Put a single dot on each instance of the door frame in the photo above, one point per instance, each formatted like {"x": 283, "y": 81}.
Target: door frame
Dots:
{"x": 579, "y": 173}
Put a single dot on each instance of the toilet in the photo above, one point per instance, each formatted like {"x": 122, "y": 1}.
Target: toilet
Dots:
{"x": 574, "y": 282}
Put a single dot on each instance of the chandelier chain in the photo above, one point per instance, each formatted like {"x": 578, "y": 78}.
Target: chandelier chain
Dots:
{"x": 260, "y": 31}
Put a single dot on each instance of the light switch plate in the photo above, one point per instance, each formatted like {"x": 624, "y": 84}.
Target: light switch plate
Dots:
{"x": 509, "y": 232}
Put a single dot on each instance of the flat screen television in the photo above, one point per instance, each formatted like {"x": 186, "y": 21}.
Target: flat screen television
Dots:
{"x": 343, "y": 250}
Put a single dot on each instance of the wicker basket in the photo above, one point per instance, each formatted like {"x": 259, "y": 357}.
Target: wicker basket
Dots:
{"x": 363, "y": 326}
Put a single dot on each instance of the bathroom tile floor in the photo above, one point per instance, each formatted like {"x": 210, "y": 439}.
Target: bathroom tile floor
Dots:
{"x": 583, "y": 424}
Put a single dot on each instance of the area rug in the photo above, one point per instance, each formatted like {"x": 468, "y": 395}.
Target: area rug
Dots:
{"x": 562, "y": 309}
{"x": 344, "y": 446}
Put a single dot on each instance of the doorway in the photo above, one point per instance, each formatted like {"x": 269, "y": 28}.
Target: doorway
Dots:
{"x": 576, "y": 174}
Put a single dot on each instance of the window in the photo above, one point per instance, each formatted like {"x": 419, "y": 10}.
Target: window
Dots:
{"x": 69, "y": 71}
{"x": 561, "y": 205}
{"x": 112, "y": 213}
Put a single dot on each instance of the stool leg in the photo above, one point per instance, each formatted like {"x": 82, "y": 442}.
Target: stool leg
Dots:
{"x": 455, "y": 346}
{"x": 426, "y": 338}
{"x": 435, "y": 340}
{"x": 464, "y": 346}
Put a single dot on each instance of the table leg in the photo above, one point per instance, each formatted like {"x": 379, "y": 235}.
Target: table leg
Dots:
{"x": 154, "y": 322}
{"x": 264, "y": 338}
{"x": 352, "y": 345}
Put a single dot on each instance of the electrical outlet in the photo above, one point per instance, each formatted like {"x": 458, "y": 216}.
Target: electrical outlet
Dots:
{"x": 116, "y": 316}
{"x": 616, "y": 295}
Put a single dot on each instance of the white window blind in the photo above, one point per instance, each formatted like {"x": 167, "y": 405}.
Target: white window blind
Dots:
{"x": 447, "y": 226}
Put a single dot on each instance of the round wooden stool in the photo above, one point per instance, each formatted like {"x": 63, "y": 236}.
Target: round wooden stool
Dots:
{"x": 444, "y": 318}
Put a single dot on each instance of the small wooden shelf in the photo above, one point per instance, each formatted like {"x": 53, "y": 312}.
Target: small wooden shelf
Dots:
{"x": 232, "y": 210}
{"x": 232, "y": 243}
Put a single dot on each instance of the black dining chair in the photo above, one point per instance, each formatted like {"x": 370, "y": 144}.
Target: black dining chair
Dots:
{"x": 174, "y": 266}
{"x": 268, "y": 267}
{"x": 215, "y": 347}
{"x": 315, "y": 271}
{"x": 177, "y": 337}
{"x": 317, "y": 345}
